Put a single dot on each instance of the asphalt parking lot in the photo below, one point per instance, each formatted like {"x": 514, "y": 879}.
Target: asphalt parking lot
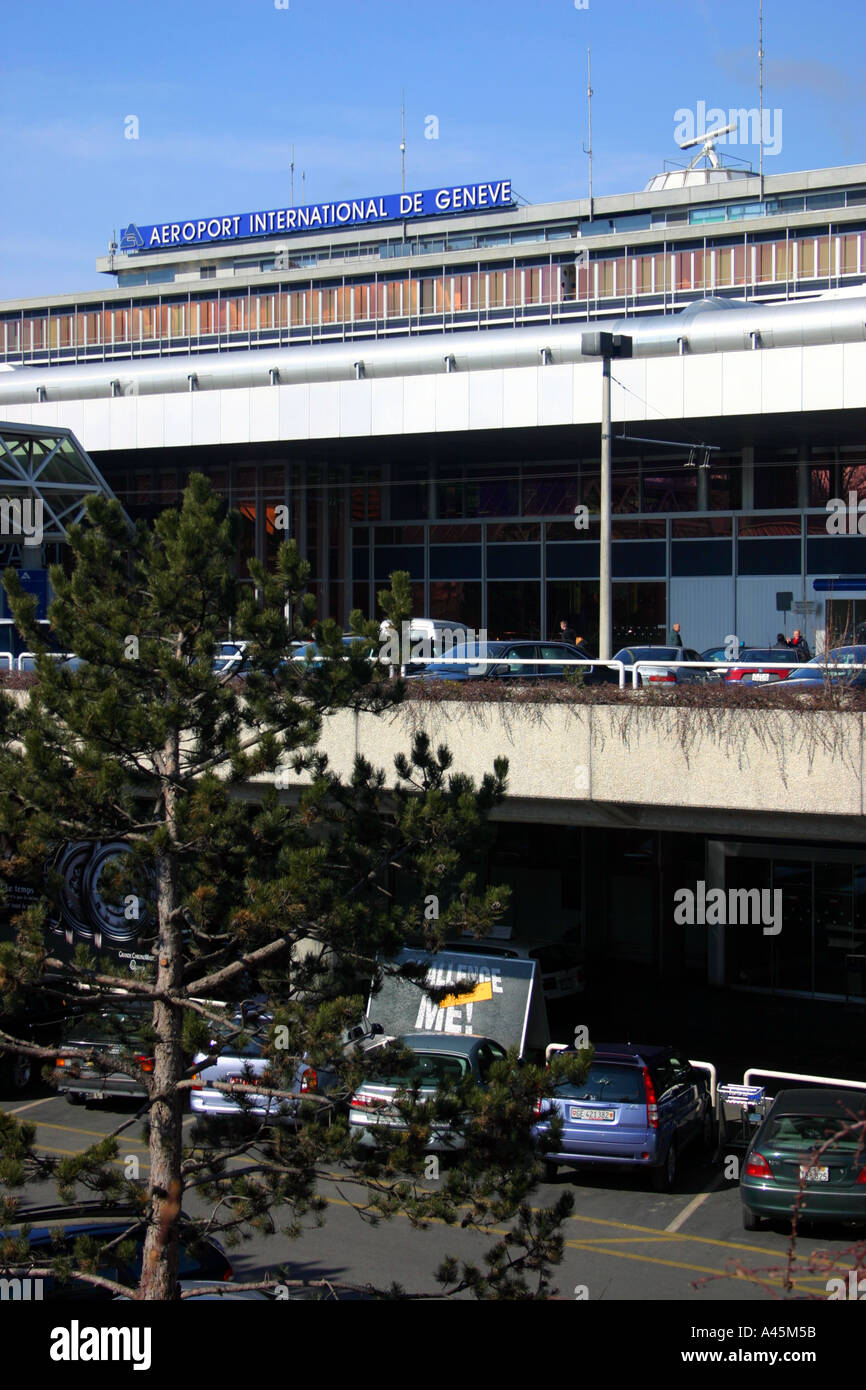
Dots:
{"x": 622, "y": 1241}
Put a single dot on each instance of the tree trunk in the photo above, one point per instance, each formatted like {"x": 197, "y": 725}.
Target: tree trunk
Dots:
{"x": 160, "y": 1260}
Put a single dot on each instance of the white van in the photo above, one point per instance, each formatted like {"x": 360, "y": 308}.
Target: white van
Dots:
{"x": 425, "y": 639}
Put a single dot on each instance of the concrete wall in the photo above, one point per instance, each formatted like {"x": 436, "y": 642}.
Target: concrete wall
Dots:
{"x": 761, "y": 769}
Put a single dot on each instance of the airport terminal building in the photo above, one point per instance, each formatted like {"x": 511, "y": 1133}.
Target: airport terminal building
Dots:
{"x": 406, "y": 374}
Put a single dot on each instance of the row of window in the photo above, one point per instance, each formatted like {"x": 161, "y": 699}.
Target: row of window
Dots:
{"x": 463, "y": 240}
{"x": 266, "y": 313}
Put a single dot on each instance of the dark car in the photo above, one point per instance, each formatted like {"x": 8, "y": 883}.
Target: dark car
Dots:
{"x": 516, "y": 660}
{"x": 802, "y": 1143}
{"x": 121, "y": 1034}
{"x": 759, "y": 665}
{"x": 38, "y": 1020}
{"x": 721, "y": 653}
{"x": 639, "y": 1107}
{"x": 55, "y": 1230}
{"x": 816, "y": 674}
{"x": 665, "y": 670}
{"x": 437, "y": 1061}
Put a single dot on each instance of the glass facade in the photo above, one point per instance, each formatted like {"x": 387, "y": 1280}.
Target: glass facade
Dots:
{"x": 495, "y": 545}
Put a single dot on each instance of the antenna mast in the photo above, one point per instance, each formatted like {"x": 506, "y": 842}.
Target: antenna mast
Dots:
{"x": 761, "y": 93}
{"x": 587, "y": 149}
{"x": 403, "y": 140}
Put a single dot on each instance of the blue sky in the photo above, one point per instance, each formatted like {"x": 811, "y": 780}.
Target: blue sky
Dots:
{"x": 223, "y": 88}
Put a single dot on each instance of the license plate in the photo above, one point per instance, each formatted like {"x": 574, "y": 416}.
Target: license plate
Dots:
{"x": 577, "y": 1114}
{"x": 761, "y": 676}
{"x": 819, "y": 1174}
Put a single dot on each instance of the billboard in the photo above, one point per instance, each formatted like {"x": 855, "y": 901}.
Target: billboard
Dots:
{"x": 115, "y": 923}
{"x": 491, "y": 996}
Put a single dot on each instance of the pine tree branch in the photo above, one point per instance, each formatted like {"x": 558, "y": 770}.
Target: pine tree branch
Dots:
{"x": 257, "y": 957}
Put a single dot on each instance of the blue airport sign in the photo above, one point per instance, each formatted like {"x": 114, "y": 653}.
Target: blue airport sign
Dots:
{"x": 355, "y": 212}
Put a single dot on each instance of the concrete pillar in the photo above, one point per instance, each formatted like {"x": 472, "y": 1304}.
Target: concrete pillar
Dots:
{"x": 748, "y": 477}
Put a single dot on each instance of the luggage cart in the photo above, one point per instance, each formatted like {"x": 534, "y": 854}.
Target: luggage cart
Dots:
{"x": 752, "y": 1102}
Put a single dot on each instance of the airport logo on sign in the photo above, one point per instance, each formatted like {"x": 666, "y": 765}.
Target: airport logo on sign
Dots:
{"x": 433, "y": 202}
{"x": 131, "y": 238}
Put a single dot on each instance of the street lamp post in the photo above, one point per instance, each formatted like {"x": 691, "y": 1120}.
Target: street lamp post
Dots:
{"x": 605, "y": 346}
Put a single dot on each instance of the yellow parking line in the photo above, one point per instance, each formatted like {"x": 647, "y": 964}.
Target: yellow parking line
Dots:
{"x": 73, "y": 1129}
{"x": 76, "y": 1153}
{"x": 674, "y": 1235}
{"x": 31, "y": 1105}
{"x": 590, "y": 1249}
{"x": 749, "y": 1277}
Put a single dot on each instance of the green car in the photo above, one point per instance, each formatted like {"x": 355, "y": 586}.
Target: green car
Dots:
{"x": 807, "y": 1142}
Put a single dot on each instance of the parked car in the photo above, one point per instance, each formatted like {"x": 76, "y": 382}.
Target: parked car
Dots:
{"x": 815, "y": 674}
{"x": 639, "y": 1107}
{"x": 785, "y": 1154}
{"x": 229, "y": 658}
{"x": 121, "y": 1033}
{"x": 54, "y": 1231}
{"x": 670, "y": 673}
{"x": 437, "y": 1059}
{"x": 721, "y": 653}
{"x": 757, "y": 665}
{"x": 515, "y": 661}
{"x": 248, "y": 1064}
{"x": 38, "y": 1020}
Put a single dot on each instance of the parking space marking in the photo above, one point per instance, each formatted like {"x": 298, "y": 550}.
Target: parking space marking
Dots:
{"x": 693, "y": 1205}
{"x": 592, "y": 1247}
{"x": 31, "y": 1105}
{"x": 97, "y": 1133}
{"x": 661, "y": 1232}
{"x": 76, "y": 1153}
{"x": 750, "y": 1277}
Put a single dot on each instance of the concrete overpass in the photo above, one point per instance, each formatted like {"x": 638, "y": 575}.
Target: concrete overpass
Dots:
{"x": 779, "y": 772}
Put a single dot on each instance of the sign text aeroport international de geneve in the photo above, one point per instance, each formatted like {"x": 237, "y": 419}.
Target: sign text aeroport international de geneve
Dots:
{"x": 349, "y": 213}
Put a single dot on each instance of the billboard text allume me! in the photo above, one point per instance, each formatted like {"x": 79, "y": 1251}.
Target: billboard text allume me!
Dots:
{"x": 349, "y": 213}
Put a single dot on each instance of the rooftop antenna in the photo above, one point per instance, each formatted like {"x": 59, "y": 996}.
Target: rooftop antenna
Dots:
{"x": 303, "y": 187}
{"x": 292, "y": 169}
{"x": 761, "y": 94}
{"x": 707, "y": 142}
{"x": 587, "y": 149}
{"x": 403, "y": 140}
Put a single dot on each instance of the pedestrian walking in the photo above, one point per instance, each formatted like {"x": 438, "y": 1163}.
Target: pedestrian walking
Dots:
{"x": 800, "y": 645}
{"x": 566, "y": 632}
{"x": 674, "y": 637}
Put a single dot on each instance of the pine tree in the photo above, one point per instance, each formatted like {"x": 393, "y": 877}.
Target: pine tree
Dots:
{"x": 291, "y": 898}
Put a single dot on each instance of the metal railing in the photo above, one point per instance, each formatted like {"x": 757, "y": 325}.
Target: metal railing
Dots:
{"x": 802, "y": 1076}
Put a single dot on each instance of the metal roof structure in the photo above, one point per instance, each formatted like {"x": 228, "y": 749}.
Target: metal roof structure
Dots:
{"x": 44, "y": 472}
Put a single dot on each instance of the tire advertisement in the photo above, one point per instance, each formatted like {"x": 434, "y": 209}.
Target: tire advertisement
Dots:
{"x": 92, "y": 912}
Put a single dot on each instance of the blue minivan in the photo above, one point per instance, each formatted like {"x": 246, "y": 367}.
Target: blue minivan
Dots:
{"x": 638, "y": 1107}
